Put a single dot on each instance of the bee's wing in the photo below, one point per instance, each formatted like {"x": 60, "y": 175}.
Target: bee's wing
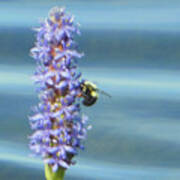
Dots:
{"x": 104, "y": 93}
{"x": 101, "y": 91}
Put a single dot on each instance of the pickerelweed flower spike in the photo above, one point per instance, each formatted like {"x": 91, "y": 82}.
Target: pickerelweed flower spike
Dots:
{"x": 59, "y": 126}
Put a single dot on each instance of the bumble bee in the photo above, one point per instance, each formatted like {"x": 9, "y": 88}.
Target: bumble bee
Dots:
{"x": 90, "y": 93}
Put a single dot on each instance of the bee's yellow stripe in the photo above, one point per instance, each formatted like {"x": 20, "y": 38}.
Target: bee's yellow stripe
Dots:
{"x": 94, "y": 94}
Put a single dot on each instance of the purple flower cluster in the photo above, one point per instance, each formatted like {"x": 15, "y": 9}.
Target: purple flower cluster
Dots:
{"x": 57, "y": 121}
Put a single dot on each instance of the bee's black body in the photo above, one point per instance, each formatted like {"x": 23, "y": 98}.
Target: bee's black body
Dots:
{"x": 89, "y": 93}
{"x": 89, "y": 100}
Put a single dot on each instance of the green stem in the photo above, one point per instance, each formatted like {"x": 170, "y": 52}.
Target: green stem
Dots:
{"x": 50, "y": 175}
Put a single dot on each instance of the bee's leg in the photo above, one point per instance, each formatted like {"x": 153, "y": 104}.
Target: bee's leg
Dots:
{"x": 80, "y": 95}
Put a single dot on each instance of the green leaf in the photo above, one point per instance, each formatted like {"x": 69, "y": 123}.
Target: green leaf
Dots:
{"x": 50, "y": 175}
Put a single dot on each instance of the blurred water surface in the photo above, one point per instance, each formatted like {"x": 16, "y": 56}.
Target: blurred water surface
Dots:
{"x": 132, "y": 52}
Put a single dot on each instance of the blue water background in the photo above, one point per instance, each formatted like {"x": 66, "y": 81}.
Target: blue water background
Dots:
{"x": 132, "y": 52}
